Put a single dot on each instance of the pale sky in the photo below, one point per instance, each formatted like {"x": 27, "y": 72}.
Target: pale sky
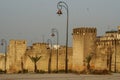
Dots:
{"x": 33, "y": 20}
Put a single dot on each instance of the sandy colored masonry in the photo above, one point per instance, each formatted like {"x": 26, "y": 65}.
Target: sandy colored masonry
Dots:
{"x": 105, "y": 50}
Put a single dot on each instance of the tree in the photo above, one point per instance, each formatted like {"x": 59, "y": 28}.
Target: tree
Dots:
{"x": 35, "y": 60}
{"x": 109, "y": 57}
{"x": 88, "y": 59}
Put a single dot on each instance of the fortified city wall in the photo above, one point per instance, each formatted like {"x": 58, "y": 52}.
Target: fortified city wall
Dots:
{"x": 17, "y": 57}
{"x": 105, "y": 50}
{"x": 108, "y": 51}
{"x": 42, "y": 49}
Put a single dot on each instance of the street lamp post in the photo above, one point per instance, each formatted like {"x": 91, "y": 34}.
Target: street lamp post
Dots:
{"x": 22, "y": 65}
{"x": 115, "y": 57}
{"x": 50, "y": 47}
{"x": 114, "y": 38}
{"x": 4, "y": 42}
{"x": 59, "y": 6}
{"x": 55, "y": 30}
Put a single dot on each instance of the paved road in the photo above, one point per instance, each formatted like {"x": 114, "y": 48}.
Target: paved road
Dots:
{"x": 58, "y": 77}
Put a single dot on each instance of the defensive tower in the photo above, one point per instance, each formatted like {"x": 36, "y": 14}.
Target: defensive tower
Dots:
{"x": 16, "y": 51}
{"x": 83, "y": 44}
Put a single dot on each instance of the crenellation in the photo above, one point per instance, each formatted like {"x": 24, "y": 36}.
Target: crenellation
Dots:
{"x": 80, "y": 31}
{"x": 84, "y": 43}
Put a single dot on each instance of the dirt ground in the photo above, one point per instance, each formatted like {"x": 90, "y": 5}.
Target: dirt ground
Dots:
{"x": 115, "y": 76}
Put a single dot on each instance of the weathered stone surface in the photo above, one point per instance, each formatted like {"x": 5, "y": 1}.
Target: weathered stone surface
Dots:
{"x": 105, "y": 50}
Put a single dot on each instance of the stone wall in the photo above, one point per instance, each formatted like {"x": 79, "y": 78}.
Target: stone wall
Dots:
{"x": 107, "y": 47}
{"x": 85, "y": 42}
{"x": 2, "y": 61}
{"x": 41, "y": 49}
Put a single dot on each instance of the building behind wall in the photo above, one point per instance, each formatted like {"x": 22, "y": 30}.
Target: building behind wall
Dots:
{"x": 108, "y": 51}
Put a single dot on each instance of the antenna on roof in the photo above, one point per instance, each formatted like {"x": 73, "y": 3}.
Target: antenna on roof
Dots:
{"x": 43, "y": 38}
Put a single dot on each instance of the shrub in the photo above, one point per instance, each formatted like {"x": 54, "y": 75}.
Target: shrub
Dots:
{"x": 100, "y": 72}
{"x": 1, "y": 71}
{"x": 25, "y": 71}
{"x": 41, "y": 71}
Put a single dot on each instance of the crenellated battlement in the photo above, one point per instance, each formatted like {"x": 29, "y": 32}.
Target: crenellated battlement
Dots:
{"x": 102, "y": 41}
{"x": 17, "y": 42}
{"x": 40, "y": 44}
{"x": 84, "y": 30}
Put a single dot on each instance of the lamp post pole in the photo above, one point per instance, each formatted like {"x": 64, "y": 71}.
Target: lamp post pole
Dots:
{"x": 4, "y": 42}
{"x": 22, "y": 65}
{"x": 55, "y": 30}
{"x": 49, "y": 63}
{"x": 115, "y": 57}
{"x": 59, "y": 6}
{"x": 114, "y": 38}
